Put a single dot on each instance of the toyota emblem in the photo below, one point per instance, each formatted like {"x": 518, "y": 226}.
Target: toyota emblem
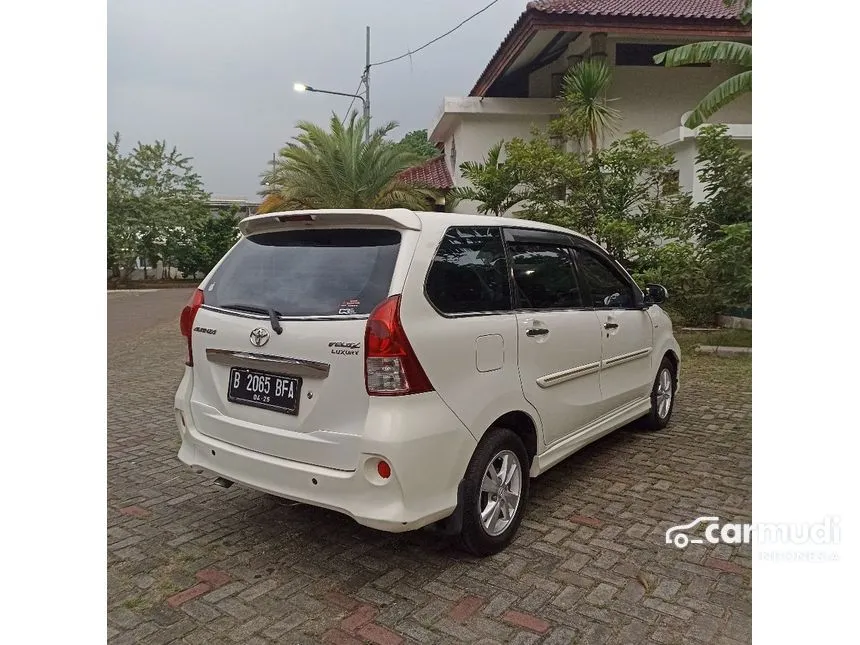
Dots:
{"x": 259, "y": 337}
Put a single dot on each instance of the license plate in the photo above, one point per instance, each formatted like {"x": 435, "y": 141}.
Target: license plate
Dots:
{"x": 264, "y": 390}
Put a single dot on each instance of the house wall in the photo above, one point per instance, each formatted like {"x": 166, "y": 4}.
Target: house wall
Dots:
{"x": 540, "y": 82}
{"x": 652, "y": 99}
{"x": 475, "y": 134}
{"x": 688, "y": 170}
{"x": 685, "y": 162}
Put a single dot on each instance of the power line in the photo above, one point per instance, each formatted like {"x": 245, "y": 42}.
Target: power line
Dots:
{"x": 438, "y": 38}
{"x": 352, "y": 102}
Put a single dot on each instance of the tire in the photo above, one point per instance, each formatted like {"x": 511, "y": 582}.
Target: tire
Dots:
{"x": 476, "y": 536}
{"x": 665, "y": 383}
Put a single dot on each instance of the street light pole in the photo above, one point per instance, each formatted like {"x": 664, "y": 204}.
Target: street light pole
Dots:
{"x": 365, "y": 100}
{"x": 301, "y": 87}
{"x": 367, "y": 87}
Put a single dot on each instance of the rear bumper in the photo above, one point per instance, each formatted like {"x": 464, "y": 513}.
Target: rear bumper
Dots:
{"x": 427, "y": 447}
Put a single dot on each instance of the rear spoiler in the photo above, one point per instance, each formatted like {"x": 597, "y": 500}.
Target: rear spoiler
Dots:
{"x": 393, "y": 218}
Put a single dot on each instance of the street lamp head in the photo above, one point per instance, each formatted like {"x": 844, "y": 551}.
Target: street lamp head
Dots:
{"x": 300, "y": 87}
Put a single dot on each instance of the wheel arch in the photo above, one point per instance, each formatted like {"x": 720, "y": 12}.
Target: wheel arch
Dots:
{"x": 673, "y": 358}
{"x": 521, "y": 424}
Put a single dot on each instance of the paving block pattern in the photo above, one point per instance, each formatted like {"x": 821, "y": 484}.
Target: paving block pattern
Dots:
{"x": 189, "y": 562}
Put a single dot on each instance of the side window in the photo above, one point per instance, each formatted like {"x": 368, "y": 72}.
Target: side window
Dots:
{"x": 608, "y": 288}
{"x": 544, "y": 276}
{"x": 469, "y": 273}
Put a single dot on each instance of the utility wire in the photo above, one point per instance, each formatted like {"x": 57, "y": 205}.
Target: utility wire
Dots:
{"x": 437, "y": 39}
{"x": 352, "y": 102}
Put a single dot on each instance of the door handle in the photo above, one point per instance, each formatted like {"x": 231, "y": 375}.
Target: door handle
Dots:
{"x": 610, "y": 325}
{"x": 537, "y": 331}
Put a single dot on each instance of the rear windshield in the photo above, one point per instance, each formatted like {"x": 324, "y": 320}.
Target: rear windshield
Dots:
{"x": 307, "y": 272}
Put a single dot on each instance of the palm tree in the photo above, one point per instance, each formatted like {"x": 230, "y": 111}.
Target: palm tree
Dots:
{"x": 585, "y": 109}
{"x": 493, "y": 184}
{"x": 340, "y": 169}
{"x": 272, "y": 203}
{"x": 716, "y": 51}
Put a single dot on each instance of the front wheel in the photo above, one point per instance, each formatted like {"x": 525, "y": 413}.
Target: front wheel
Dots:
{"x": 662, "y": 396}
{"x": 496, "y": 491}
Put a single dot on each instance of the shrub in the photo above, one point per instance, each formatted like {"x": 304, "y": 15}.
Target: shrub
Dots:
{"x": 728, "y": 262}
{"x": 678, "y": 266}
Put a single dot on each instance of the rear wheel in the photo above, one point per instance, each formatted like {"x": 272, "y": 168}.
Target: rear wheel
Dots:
{"x": 662, "y": 396}
{"x": 496, "y": 491}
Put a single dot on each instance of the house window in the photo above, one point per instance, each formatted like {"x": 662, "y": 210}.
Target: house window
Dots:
{"x": 642, "y": 54}
{"x": 453, "y": 155}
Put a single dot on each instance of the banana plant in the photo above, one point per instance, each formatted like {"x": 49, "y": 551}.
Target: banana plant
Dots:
{"x": 716, "y": 51}
{"x": 713, "y": 51}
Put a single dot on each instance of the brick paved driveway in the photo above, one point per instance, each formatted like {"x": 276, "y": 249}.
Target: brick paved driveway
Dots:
{"x": 192, "y": 563}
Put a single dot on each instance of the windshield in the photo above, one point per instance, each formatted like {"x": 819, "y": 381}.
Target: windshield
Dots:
{"x": 323, "y": 272}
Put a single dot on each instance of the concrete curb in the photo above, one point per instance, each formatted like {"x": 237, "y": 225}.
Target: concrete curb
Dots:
{"x": 734, "y": 322}
{"x": 723, "y": 351}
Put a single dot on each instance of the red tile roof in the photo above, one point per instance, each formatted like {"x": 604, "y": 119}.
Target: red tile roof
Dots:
{"x": 713, "y": 9}
{"x": 710, "y": 18}
{"x": 432, "y": 173}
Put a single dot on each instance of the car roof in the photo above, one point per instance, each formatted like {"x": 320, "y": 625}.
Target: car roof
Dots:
{"x": 403, "y": 218}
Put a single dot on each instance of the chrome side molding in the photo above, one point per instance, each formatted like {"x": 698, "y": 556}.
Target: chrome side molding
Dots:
{"x": 625, "y": 358}
{"x": 567, "y": 375}
{"x": 267, "y": 362}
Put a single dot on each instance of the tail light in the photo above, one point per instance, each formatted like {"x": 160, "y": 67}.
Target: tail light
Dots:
{"x": 186, "y": 320}
{"x": 390, "y": 365}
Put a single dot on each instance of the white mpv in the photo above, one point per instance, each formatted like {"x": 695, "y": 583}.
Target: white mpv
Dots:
{"x": 414, "y": 369}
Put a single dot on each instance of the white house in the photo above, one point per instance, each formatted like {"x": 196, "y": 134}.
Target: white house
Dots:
{"x": 517, "y": 88}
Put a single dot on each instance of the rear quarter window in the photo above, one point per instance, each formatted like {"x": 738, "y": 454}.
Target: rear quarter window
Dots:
{"x": 322, "y": 272}
{"x": 469, "y": 273}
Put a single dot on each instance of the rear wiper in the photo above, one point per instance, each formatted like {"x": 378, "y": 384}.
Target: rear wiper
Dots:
{"x": 272, "y": 313}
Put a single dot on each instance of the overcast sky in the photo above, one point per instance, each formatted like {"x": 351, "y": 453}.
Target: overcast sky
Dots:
{"x": 215, "y": 77}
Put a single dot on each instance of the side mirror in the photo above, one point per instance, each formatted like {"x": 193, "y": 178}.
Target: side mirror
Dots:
{"x": 655, "y": 294}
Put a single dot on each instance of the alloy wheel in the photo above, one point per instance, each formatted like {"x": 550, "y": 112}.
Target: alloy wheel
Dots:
{"x": 501, "y": 489}
{"x": 664, "y": 393}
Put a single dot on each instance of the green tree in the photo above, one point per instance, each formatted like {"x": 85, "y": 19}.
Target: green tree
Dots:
{"x": 680, "y": 267}
{"x": 716, "y": 51}
{"x": 418, "y": 142}
{"x": 621, "y": 196}
{"x": 493, "y": 183}
{"x": 151, "y": 194}
{"x": 548, "y": 176}
{"x": 728, "y": 261}
{"x": 200, "y": 248}
{"x": 725, "y": 172}
{"x": 585, "y": 113}
{"x": 337, "y": 168}
{"x": 637, "y": 200}
{"x": 708, "y": 268}
{"x": 121, "y": 214}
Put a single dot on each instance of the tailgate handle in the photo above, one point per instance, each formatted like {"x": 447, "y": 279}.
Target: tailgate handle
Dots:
{"x": 270, "y": 363}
